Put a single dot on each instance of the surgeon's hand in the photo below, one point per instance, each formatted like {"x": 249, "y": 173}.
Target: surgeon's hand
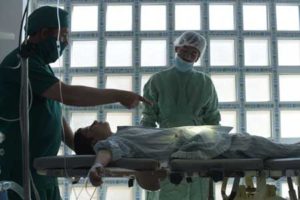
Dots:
{"x": 131, "y": 100}
{"x": 95, "y": 174}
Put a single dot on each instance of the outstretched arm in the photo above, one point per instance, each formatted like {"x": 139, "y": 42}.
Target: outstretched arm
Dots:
{"x": 103, "y": 158}
{"x": 87, "y": 96}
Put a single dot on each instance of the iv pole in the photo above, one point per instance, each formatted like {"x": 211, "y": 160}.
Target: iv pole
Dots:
{"x": 24, "y": 117}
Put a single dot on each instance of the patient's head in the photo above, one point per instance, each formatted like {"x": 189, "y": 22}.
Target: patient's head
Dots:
{"x": 86, "y": 138}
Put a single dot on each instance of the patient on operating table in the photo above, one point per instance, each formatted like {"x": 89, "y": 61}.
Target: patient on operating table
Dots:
{"x": 188, "y": 142}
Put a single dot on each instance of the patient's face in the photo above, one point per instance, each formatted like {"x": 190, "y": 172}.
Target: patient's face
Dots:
{"x": 97, "y": 131}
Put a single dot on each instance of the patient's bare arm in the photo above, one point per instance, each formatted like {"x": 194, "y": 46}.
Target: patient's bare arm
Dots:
{"x": 103, "y": 158}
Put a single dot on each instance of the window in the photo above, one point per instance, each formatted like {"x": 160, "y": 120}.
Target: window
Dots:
{"x": 259, "y": 122}
{"x": 257, "y": 88}
{"x": 116, "y": 119}
{"x": 226, "y": 92}
{"x": 84, "y": 18}
{"x": 119, "y": 192}
{"x": 289, "y": 123}
{"x": 256, "y": 52}
{"x": 285, "y": 188}
{"x": 229, "y": 118}
{"x": 118, "y": 53}
{"x": 151, "y": 21}
{"x": 119, "y": 17}
{"x": 221, "y": 17}
{"x": 121, "y": 82}
{"x": 287, "y": 17}
{"x": 222, "y": 52}
{"x": 84, "y": 54}
{"x": 255, "y": 17}
{"x": 153, "y": 53}
{"x": 288, "y": 87}
{"x": 288, "y": 52}
{"x": 82, "y": 119}
{"x": 187, "y": 17}
{"x": 84, "y": 193}
{"x": 90, "y": 81}
{"x": 144, "y": 80}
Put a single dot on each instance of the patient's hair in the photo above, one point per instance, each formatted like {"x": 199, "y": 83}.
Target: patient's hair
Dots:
{"x": 82, "y": 144}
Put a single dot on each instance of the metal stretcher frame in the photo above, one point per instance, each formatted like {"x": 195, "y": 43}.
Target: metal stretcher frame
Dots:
{"x": 148, "y": 172}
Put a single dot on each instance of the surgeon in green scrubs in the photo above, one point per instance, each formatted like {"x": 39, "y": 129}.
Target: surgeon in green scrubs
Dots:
{"x": 47, "y": 126}
{"x": 182, "y": 96}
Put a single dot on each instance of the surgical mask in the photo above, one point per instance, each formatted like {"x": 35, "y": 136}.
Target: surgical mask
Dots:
{"x": 183, "y": 65}
{"x": 48, "y": 49}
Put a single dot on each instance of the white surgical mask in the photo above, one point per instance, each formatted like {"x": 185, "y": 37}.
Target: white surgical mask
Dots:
{"x": 183, "y": 65}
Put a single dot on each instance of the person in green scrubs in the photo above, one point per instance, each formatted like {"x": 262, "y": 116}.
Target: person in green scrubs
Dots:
{"x": 47, "y": 127}
{"x": 182, "y": 96}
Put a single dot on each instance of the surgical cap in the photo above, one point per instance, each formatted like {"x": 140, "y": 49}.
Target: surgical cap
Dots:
{"x": 191, "y": 38}
{"x": 46, "y": 17}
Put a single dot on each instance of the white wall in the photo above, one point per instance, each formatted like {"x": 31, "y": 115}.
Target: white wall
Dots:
{"x": 10, "y": 20}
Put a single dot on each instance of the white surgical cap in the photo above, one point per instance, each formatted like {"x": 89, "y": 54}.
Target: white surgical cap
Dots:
{"x": 191, "y": 38}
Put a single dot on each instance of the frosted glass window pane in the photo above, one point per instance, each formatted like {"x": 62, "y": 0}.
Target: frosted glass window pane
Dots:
{"x": 153, "y": 53}
{"x": 84, "y": 18}
{"x": 285, "y": 188}
{"x": 289, "y": 123}
{"x": 187, "y": 17}
{"x": 116, "y": 119}
{"x": 84, "y": 54}
{"x": 257, "y": 88}
{"x": 58, "y": 63}
{"x": 84, "y": 193}
{"x": 289, "y": 87}
{"x": 256, "y": 52}
{"x": 90, "y": 81}
{"x": 226, "y": 92}
{"x": 228, "y": 118}
{"x": 153, "y": 17}
{"x": 221, "y": 17}
{"x": 41, "y": 4}
{"x": 143, "y": 195}
{"x": 255, "y": 17}
{"x": 259, "y": 123}
{"x": 289, "y": 52}
{"x": 198, "y": 62}
{"x": 287, "y": 18}
{"x": 144, "y": 80}
{"x": 218, "y": 185}
{"x": 82, "y": 119}
{"x": 118, "y": 53}
{"x": 119, "y": 192}
{"x": 222, "y": 52}
{"x": 119, "y": 18}
{"x": 119, "y": 82}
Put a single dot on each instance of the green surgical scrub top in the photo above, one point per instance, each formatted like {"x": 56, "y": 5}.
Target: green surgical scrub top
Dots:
{"x": 180, "y": 99}
{"x": 44, "y": 115}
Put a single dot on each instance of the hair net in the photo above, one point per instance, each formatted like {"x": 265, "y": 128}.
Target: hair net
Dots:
{"x": 191, "y": 38}
{"x": 46, "y": 17}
